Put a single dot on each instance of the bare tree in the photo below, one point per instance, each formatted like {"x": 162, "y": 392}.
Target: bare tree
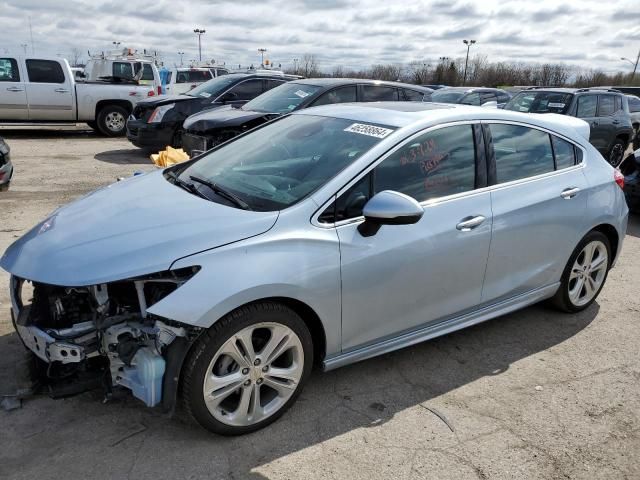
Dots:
{"x": 309, "y": 66}
{"x": 75, "y": 56}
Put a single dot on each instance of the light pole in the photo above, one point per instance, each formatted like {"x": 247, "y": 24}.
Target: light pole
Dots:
{"x": 24, "y": 46}
{"x": 295, "y": 66}
{"x": 181, "y": 54}
{"x": 199, "y": 32}
{"x": 468, "y": 43}
{"x": 262, "y": 52}
{"x": 635, "y": 65}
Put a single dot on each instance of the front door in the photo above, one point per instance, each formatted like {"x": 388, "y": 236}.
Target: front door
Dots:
{"x": 407, "y": 276}
{"x": 13, "y": 95}
{"x": 49, "y": 91}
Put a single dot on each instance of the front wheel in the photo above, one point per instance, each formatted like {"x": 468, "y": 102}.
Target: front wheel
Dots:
{"x": 112, "y": 121}
{"x": 584, "y": 274}
{"x": 248, "y": 369}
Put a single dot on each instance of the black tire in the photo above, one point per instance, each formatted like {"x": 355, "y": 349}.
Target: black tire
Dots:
{"x": 561, "y": 299}
{"x": 636, "y": 139}
{"x": 93, "y": 126}
{"x": 4, "y": 187}
{"x": 112, "y": 121}
{"x": 210, "y": 342}
{"x": 616, "y": 152}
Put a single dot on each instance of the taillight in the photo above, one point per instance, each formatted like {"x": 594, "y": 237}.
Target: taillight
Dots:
{"x": 159, "y": 89}
{"x": 618, "y": 178}
{"x": 150, "y": 93}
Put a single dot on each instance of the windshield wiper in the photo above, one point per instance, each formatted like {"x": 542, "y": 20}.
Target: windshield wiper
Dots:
{"x": 189, "y": 187}
{"x": 222, "y": 192}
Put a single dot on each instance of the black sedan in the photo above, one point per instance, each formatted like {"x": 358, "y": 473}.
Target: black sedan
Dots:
{"x": 6, "y": 169}
{"x": 207, "y": 129}
{"x": 157, "y": 122}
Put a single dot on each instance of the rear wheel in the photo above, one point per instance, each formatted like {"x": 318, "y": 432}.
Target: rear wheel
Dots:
{"x": 616, "y": 152}
{"x": 585, "y": 273}
{"x": 112, "y": 121}
{"x": 248, "y": 369}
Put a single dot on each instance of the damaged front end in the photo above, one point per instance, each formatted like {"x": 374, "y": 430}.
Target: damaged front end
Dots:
{"x": 102, "y": 335}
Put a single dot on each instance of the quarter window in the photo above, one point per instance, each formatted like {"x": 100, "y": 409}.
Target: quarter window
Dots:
{"x": 520, "y": 152}
{"x": 436, "y": 164}
{"x": 606, "y": 105}
{"x": 564, "y": 153}
{"x": 338, "y": 95}
{"x": 9, "y": 70}
{"x": 44, "y": 71}
{"x": 587, "y": 106}
{"x": 378, "y": 93}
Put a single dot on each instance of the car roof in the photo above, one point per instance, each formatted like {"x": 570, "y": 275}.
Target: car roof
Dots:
{"x": 471, "y": 89}
{"x": 334, "y": 82}
{"x": 426, "y": 114}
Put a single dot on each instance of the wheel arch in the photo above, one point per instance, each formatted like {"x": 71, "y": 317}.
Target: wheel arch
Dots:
{"x": 612, "y": 235}
{"x": 126, "y": 104}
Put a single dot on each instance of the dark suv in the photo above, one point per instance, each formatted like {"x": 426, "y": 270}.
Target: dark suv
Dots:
{"x": 605, "y": 110}
{"x": 157, "y": 122}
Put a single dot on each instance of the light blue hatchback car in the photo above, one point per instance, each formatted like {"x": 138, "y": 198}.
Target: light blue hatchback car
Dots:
{"x": 324, "y": 237}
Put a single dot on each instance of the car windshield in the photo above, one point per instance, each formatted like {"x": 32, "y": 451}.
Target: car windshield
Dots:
{"x": 446, "y": 96}
{"x": 282, "y": 99}
{"x": 215, "y": 86}
{"x": 189, "y": 76}
{"x": 540, "y": 102}
{"x": 284, "y": 161}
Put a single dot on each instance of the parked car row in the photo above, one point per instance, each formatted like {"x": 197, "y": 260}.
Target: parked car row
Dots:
{"x": 323, "y": 237}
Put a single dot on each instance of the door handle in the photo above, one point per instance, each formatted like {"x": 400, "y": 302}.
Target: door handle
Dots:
{"x": 15, "y": 89}
{"x": 568, "y": 193}
{"x": 594, "y": 124}
{"x": 61, "y": 90}
{"x": 469, "y": 223}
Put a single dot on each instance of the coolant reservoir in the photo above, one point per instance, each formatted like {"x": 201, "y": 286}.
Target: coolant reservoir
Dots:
{"x": 144, "y": 377}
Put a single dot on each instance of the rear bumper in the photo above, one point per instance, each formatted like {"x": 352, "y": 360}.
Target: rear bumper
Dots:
{"x": 149, "y": 135}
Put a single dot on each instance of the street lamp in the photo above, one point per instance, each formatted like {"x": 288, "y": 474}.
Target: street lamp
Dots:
{"x": 635, "y": 65}
{"x": 262, "y": 52}
{"x": 199, "y": 32}
{"x": 468, "y": 43}
{"x": 181, "y": 54}
{"x": 295, "y": 66}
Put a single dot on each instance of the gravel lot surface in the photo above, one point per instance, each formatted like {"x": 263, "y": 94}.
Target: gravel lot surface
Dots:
{"x": 534, "y": 394}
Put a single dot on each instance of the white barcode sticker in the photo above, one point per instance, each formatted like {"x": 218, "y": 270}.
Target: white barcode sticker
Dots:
{"x": 302, "y": 93}
{"x": 370, "y": 130}
{"x": 555, "y": 105}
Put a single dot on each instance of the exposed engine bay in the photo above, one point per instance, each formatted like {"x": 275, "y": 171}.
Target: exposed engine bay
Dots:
{"x": 102, "y": 335}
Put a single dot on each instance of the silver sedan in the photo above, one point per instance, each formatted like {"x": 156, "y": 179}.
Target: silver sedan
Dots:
{"x": 325, "y": 237}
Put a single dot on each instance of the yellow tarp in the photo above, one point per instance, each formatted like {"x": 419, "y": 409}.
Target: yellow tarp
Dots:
{"x": 170, "y": 156}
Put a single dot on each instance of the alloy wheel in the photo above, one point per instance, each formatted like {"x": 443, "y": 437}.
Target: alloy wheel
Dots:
{"x": 253, "y": 374}
{"x": 115, "y": 121}
{"x": 616, "y": 154}
{"x": 588, "y": 273}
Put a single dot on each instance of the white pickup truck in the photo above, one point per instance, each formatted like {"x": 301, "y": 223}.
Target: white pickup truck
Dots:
{"x": 40, "y": 90}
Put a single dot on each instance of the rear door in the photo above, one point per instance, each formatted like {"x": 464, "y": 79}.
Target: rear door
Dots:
{"x": 378, "y": 93}
{"x": 607, "y": 121}
{"x": 587, "y": 110}
{"x": 539, "y": 203}
{"x": 13, "y": 94}
{"x": 49, "y": 91}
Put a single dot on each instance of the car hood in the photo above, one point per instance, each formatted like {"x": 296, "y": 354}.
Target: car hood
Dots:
{"x": 222, "y": 117}
{"x": 135, "y": 227}
{"x": 153, "y": 102}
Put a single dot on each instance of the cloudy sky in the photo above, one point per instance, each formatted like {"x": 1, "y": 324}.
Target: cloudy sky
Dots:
{"x": 352, "y": 33}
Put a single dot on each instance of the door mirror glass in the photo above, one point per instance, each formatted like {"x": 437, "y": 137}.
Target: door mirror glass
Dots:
{"x": 389, "y": 208}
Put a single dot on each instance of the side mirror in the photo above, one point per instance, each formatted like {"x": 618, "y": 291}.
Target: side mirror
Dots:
{"x": 389, "y": 208}
{"x": 490, "y": 104}
{"x": 229, "y": 97}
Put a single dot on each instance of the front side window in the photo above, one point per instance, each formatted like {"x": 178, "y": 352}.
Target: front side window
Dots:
{"x": 9, "y": 70}
{"x": 564, "y": 153}
{"x": 379, "y": 93}
{"x": 444, "y": 95}
{"x": 436, "y": 164}
{"x": 413, "y": 96}
{"x": 587, "y": 105}
{"x": 272, "y": 84}
{"x": 247, "y": 90}
{"x": 282, "y": 99}
{"x": 44, "y": 71}
{"x": 284, "y": 161}
{"x": 337, "y": 95}
{"x": 606, "y": 105}
{"x": 520, "y": 152}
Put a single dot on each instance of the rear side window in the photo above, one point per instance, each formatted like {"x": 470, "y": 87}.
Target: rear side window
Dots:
{"x": 272, "y": 84}
{"x": 520, "y": 152}
{"x": 564, "y": 152}
{"x": 587, "y": 105}
{"x": 634, "y": 103}
{"x": 248, "y": 90}
{"x": 147, "y": 72}
{"x": 337, "y": 95}
{"x": 412, "y": 95}
{"x": 503, "y": 97}
{"x": 606, "y": 105}
{"x": 122, "y": 69}
{"x": 379, "y": 93}
{"x": 436, "y": 164}
{"x": 44, "y": 71}
{"x": 9, "y": 70}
